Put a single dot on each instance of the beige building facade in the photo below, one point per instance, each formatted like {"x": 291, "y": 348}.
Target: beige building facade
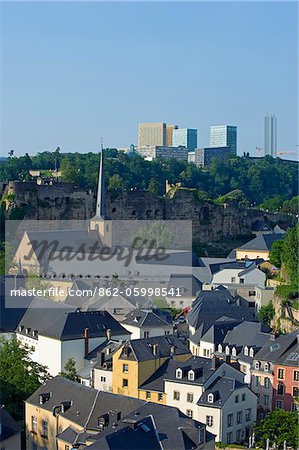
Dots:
{"x": 152, "y": 134}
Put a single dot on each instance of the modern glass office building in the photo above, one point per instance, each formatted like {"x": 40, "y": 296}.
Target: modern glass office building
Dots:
{"x": 270, "y": 144}
{"x": 185, "y": 137}
{"x": 224, "y": 136}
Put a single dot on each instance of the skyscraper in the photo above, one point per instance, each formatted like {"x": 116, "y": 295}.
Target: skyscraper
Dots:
{"x": 169, "y": 129}
{"x": 224, "y": 136}
{"x": 270, "y": 144}
{"x": 185, "y": 137}
{"x": 151, "y": 134}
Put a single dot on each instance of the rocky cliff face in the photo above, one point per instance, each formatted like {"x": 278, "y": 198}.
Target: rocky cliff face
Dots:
{"x": 210, "y": 223}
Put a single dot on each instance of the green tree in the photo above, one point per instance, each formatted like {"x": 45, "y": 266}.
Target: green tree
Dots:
{"x": 276, "y": 253}
{"x": 273, "y": 204}
{"x": 115, "y": 182}
{"x": 19, "y": 375}
{"x": 159, "y": 232}
{"x": 153, "y": 186}
{"x": 70, "y": 371}
{"x": 266, "y": 313}
{"x": 291, "y": 206}
{"x": 279, "y": 426}
{"x": 290, "y": 254}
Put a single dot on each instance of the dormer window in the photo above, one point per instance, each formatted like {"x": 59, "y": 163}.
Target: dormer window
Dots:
{"x": 234, "y": 352}
{"x": 227, "y": 351}
{"x": 210, "y": 398}
{"x": 251, "y": 352}
{"x": 220, "y": 348}
{"x": 179, "y": 373}
{"x": 191, "y": 375}
{"x": 34, "y": 333}
{"x": 20, "y": 328}
{"x": 246, "y": 350}
{"x": 28, "y": 330}
{"x": 267, "y": 367}
{"x": 256, "y": 365}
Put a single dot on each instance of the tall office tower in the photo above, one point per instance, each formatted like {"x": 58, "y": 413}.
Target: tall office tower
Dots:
{"x": 185, "y": 137}
{"x": 169, "y": 129}
{"x": 224, "y": 136}
{"x": 270, "y": 135}
{"x": 151, "y": 134}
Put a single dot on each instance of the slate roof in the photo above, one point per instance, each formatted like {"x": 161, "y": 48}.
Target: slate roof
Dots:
{"x": 262, "y": 242}
{"x": 148, "y": 318}
{"x": 217, "y": 332}
{"x": 212, "y": 305}
{"x": 248, "y": 333}
{"x": 189, "y": 285}
{"x": 123, "y": 301}
{"x": 89, "y": 405}
{"x": 72, "y": 238}
{"x": 203, "y": 271}
{"x": 202, "y": 367}
{"x": 9, "y": 426}
{"x": 141, "y": 435}
{"x": 282, "y": 350}
{"x": 185, "y": 259}
{"x": 143, "y": 349}
{"x": 181, "y": 435}
{"x": 59, "y": 322}
{"x": 222, "y": 388}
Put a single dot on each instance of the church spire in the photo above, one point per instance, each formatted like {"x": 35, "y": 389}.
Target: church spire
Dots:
{"x": 100, "y": 209}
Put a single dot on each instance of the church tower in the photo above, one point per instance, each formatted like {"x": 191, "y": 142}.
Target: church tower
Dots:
{"x": 100, "y": 221}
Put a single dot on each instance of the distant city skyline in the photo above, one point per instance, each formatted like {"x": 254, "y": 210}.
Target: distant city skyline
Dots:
{"x": 75, "y": 72}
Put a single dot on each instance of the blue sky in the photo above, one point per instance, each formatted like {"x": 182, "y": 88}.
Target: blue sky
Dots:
{"x": 73, "y": 72}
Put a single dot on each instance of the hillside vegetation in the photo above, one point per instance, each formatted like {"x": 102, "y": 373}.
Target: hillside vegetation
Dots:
{"x": 270, "y": 183}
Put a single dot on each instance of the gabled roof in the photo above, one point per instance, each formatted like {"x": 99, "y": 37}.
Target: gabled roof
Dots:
{"x": 148, "y": 318}
{"x": 222, "y": 388}
{"x": 62, "y": 323}
{"x": 217, "y": 332}
{"x": 212, "y": 305}
{"x": 184, "y": 259}
{"x": 144, "y": 349}
{"x": 282, "y": 350}
{"x": 248, "y": 333}
{"x": 183, "y": 433}
{"x": 87, "y": 407}
{"x": 202, "y": 367}
{"x": 262, "y": 242}
{"x": 9, "y": 427}
{"x": 189, "y": 285}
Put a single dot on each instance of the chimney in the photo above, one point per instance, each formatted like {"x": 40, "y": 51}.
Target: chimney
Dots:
{"x": 132, "y": 423}
{"x": 172, "y": 350}
{"x": 272, "y": 337}
{"x": 86, "y": 341}
{"x": 214, "y": 362}
{"x": 155, "y": 349}
{"x": 108, "y": 334}
{"x": 227, "y": 359}
{"x": 114, "y": 417}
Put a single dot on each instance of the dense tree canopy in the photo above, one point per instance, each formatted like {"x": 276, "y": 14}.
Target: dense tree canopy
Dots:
{"x": 279, "y": 426}
{"x": 19, "y": 376}
{"x": 268, "y": 180}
